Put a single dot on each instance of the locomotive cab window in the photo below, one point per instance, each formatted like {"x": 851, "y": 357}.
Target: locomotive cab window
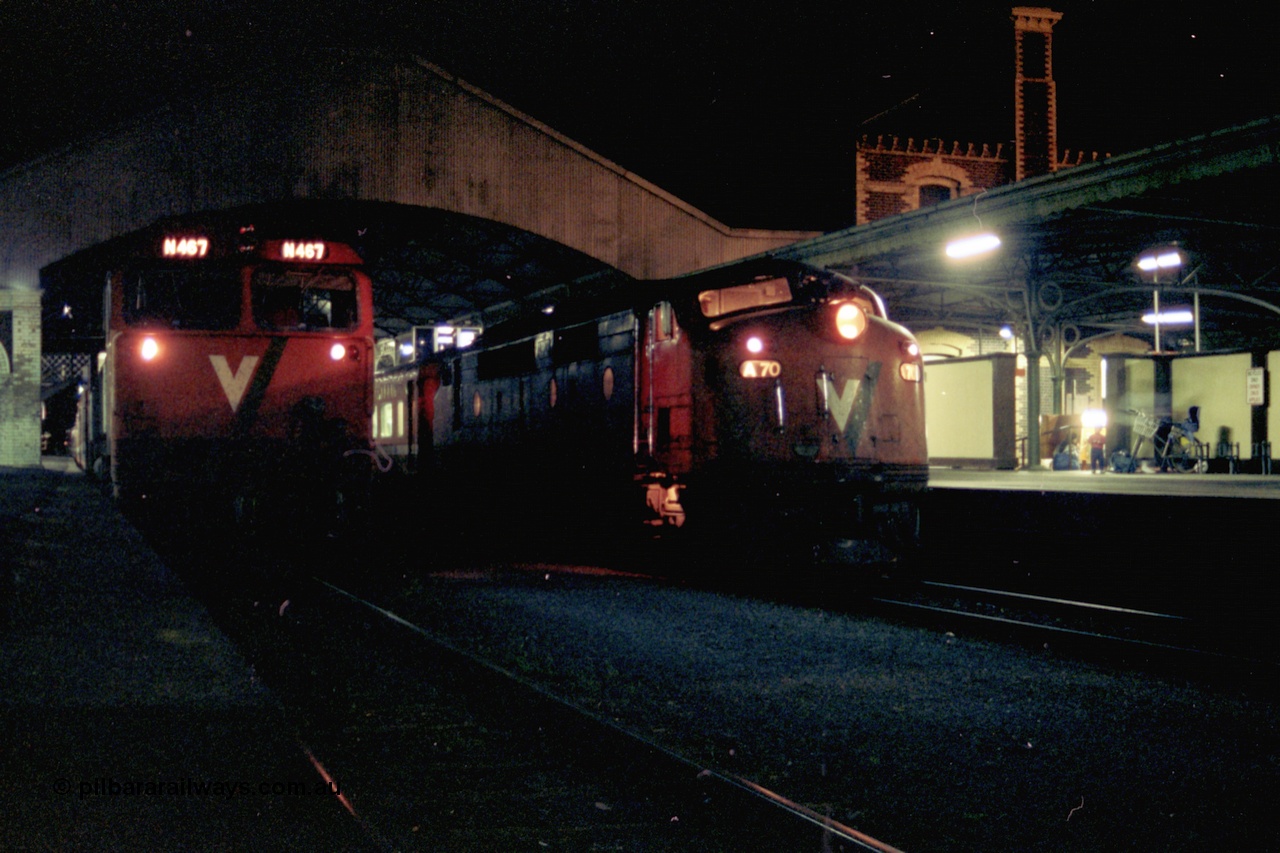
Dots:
{"x": 664, "y": 322}
{"x": 310, "y": 299}
{"x": 182, "y": 298}
{"x": 727, "y": 300}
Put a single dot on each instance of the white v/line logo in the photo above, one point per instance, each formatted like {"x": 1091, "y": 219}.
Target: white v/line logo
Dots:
{"x": 839, "y": 403}
{"x": 234, "y": 384}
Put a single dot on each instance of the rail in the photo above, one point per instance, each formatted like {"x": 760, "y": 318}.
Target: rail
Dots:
{"x": 832, "y": 829}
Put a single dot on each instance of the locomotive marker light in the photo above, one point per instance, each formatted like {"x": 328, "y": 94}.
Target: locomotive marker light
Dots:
{"x": 910, "y": 370}
{"x": 149, "y": 348}
{"x": 758, "y": 368}
{"x": 337, "y": 352}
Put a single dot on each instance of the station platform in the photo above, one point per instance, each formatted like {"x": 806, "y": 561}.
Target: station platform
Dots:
{"x": 128, "y": 721}
{"x": 1195, "y": 545}
{"x": 1152, "y": 484}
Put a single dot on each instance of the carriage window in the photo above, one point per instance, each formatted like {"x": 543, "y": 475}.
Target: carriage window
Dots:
{"x": 727, "y": 300}
{"x": 303, "y": 299}
{"x": 182, "y": 298}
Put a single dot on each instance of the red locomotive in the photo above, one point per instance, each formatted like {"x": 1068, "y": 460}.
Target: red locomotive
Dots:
{"x": 232, "y": 366}
{"x": 758, "y": 397}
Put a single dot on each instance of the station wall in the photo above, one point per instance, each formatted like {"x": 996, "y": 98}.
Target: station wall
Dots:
{"x": 1215, "y": 383}
{"x": 970, "y": 411}
{"x": 1273, "y": 418}
{"x": 970, "y": 402}
{"x": 1137, "y": 388}
{"x": 19, "y": 378}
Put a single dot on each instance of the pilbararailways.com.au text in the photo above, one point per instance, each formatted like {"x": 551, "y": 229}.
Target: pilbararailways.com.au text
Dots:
{"x": 187, "y": 786}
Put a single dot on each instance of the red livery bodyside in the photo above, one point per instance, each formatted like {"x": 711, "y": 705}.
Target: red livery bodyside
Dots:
{"x": 229, "y": 371}
{"x": 762, "y": 399}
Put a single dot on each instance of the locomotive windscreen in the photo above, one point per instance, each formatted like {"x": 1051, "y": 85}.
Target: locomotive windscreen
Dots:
{"x": 727, "y": 300}
{"x": 182, "y": 298}
{"x": 303, "y": 299}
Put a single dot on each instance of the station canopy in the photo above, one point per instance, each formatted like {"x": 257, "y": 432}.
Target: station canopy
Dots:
{"x": 1071, "y": 242}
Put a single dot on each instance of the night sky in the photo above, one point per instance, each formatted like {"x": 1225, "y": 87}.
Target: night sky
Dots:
{"x": 750, "y": 114}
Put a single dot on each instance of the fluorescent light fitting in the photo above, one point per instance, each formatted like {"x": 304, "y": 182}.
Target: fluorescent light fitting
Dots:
{"x": 968, "y": 247}
{"x": 1162, "y": 261}
{"x": 1168, "y": 318}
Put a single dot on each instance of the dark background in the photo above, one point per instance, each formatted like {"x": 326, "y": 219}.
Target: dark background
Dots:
{"x": 748, "y": 113}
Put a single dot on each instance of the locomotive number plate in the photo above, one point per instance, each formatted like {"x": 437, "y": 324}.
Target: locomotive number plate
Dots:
{"x": 294, "y": 251}
{"x": 759, "y": 368}
{"x": 185, "y": 247}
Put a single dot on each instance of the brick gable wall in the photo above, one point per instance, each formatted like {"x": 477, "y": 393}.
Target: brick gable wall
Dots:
{"x": 890, "y": 172}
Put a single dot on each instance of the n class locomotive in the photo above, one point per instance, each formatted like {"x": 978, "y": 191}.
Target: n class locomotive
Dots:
{"x": 234, "y": 368}
{"x": 763, "y": 397}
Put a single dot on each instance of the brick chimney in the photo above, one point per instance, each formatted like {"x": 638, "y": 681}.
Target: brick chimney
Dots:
{"x": 1035, "y": 95}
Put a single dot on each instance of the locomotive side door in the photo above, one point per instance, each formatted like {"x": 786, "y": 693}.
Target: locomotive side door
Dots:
{"x": 666, "y": 421}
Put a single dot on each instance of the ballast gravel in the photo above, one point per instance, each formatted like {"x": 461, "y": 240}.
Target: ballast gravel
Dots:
{"x": 930, "y": 740}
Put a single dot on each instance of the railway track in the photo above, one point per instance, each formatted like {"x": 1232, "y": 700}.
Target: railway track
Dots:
{"x": 586, "y": 779}
{"x": 430, "y": 747}
{"x": 434, "y": 748}
{"x": 1110, "y": 630}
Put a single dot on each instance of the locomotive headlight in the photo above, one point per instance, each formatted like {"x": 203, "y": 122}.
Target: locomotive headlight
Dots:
{"x": 337, "y": 352}
{"x": 911, "y": 348}
{"x": 149, "y": 348}
{"x": 851, "y": 321}
{"x": 755, "y": 346}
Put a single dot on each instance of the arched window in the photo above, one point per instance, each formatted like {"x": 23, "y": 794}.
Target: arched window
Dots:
{"x": 931, "y": 194}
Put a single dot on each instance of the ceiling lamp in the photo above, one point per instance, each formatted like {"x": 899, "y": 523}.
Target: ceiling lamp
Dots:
{"x": 972, "y": 246}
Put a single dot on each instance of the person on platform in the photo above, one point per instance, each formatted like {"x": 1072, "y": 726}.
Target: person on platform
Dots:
{"x": 1097, "y": 444}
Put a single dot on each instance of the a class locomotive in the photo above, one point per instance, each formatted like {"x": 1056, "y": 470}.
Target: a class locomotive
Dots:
{"x": 765, "y": 398}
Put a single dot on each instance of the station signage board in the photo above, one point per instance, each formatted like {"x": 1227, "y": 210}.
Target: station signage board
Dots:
{"x": 1255, "y": 385}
